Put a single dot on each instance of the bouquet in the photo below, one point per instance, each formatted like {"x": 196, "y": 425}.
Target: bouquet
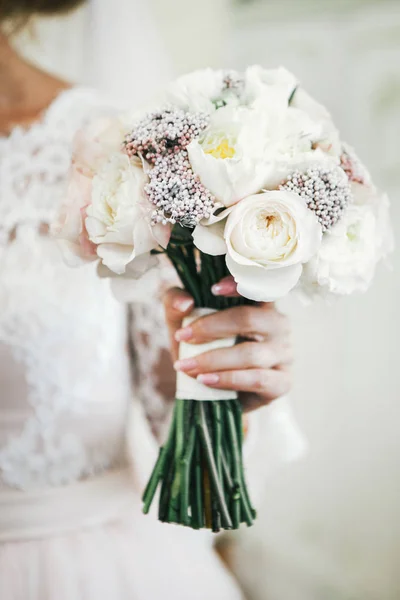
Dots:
{"x": 240, "y": 174}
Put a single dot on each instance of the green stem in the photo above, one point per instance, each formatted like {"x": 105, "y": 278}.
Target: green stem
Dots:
{"x": 168, "y": 477}
{"x": 197, "y": 486}
{"x": 158, "y": 470}
{"x": 185, "y": 465}
{"x": 239, "y": 497}
{"x": 207, "y": 446}
{"x": 174, "y": 504}
{"x": 217, "y": 435}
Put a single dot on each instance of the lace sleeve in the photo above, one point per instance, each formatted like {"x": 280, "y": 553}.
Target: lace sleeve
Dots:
{"x": 152, "y": 365}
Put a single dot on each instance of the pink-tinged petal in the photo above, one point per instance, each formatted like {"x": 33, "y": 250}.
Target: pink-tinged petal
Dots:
{"x": 261, "y": 284}
{"x": 89, "y": 249}
{"x": 210, "y": 240}
{"x": 115, "y": 256}
{"x": 73, "y": 254}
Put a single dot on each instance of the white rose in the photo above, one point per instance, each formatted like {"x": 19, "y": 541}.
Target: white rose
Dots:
{"x": 199, "y": 91}
{"x": 350, "y": 251}
{"x": 267, "y": 238}
{"x": 232, "y": 156}
{"x": 118, "y": 218}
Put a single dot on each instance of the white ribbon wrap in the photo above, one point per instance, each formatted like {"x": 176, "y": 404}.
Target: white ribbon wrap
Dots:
{"x": 188, "y": 388}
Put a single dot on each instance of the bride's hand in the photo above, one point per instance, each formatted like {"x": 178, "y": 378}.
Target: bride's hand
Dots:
{"x": 258, "y": 367}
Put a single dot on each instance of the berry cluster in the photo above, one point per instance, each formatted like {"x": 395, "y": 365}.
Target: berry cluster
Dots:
{"x": 326, "y": 191}
{"x": 165, "y": 132}
{"x": 161, "y": 139}
{"x": 177, "y": 193}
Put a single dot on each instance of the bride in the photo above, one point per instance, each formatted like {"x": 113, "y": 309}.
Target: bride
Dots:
{"x": 71, "y": 469}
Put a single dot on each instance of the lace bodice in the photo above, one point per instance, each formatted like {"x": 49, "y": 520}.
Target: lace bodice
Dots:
{"x": 65, "y": 382}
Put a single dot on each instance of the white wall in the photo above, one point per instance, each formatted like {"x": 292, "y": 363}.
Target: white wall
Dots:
{"x": 330, "y": 526}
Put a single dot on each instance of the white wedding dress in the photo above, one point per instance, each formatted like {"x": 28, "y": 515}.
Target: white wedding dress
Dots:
{"x": 71, "y": 526}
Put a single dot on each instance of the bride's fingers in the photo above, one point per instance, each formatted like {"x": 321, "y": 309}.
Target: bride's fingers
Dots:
{"x": 178, "y": 304}
{"x": 226, "y": 287}
{"x": 252, "y": 401}
{"x": 255, "y": 321}
{"x": 248, "y": 355}
{"x": 268, "y": 384}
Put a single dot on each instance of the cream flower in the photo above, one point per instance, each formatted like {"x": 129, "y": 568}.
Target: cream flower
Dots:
{"x": 200, "y": 91}
{"x": 118, "y": 220}
{"x": 350, "y": 251}
{"x": 267, "y": 238}
{"x": 91, "y": 147}
{"x": 70, "y": 229}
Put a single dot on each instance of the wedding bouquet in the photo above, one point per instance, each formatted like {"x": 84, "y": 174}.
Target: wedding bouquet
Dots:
{"x": 230, "y": 174}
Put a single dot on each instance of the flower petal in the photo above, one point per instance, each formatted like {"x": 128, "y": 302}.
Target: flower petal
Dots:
{"x": 261, "y": 284}
{"x": 115, "y": 256}
{"x": 210, "y": 240}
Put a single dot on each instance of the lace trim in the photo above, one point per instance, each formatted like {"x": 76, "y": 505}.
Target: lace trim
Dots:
{"x": 66, "y": 336}
{"x": 61, "y": 327}
{"x": 34, "y": 161}
{"x": 150, "y": 343}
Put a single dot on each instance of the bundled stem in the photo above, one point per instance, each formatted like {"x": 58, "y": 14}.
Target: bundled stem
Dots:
{"x": 200, "y": 468}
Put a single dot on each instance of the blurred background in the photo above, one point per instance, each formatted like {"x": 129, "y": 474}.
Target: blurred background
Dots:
{"x": 329, "y": 526}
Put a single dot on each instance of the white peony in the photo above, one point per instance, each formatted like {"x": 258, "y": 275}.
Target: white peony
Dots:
{"x": 199, "y": 91}
{"x": 268, "y": 85}
{"x": 267, "y": 238}
{"x": 350, "y": 251}
{"x": 233, "y": 155}
{"x": 118, "y": 218}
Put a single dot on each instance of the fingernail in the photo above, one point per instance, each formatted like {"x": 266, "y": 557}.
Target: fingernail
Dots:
{"x": 258, "y": 338}
{"x": 224, "y": 288}
{"x": 183, "y": 335}
{"x": 182, "y": 304}
{"x": 185, "y": 364}
{"x": 208, "y": 378}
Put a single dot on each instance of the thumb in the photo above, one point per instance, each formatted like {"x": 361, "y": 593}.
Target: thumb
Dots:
{"x": 178, "y": 304}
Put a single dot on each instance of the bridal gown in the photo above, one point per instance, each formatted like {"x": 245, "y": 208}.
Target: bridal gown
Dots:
{"x": 71, "y": 465}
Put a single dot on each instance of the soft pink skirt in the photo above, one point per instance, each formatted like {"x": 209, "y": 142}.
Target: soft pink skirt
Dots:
{"x": 131, "y": 557}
